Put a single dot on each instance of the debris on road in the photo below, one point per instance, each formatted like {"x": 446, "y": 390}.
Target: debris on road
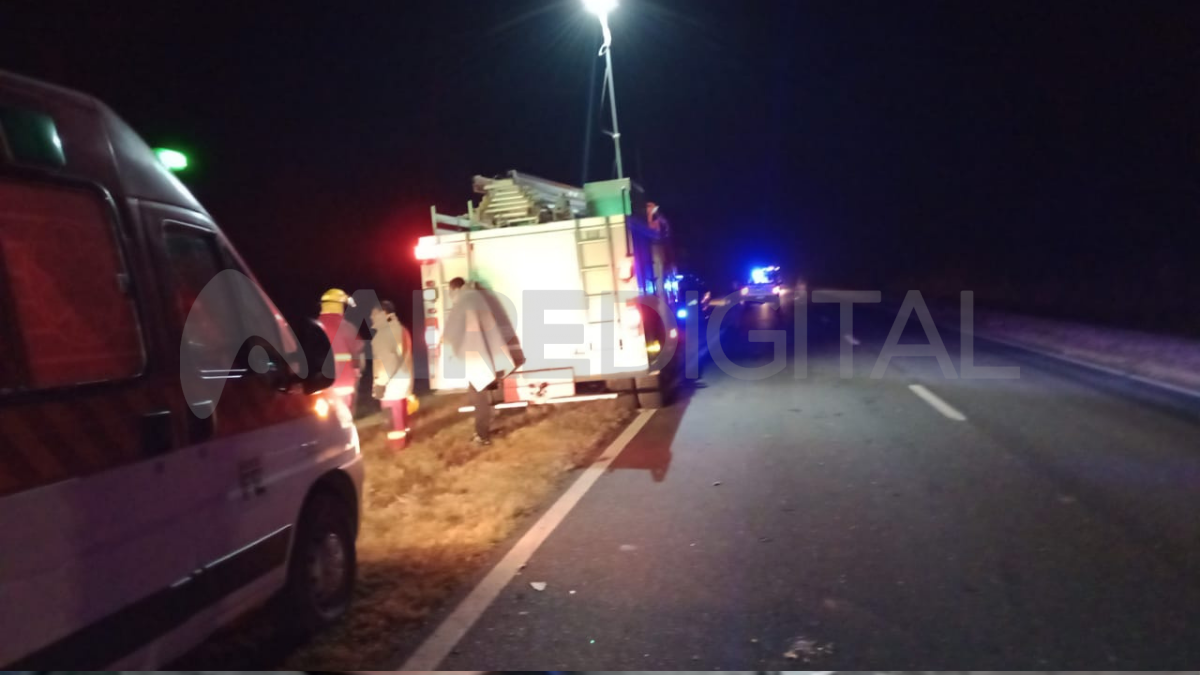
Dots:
{"x": 716, "y": 483}
{"x": 806, "y": 649}
{"x": 572, "y": 591}
{"x": 628, "y": 547}
{"x": 538, "y": 585}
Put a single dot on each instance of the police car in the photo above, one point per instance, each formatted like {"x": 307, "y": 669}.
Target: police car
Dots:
{"x": 766, "y": 286}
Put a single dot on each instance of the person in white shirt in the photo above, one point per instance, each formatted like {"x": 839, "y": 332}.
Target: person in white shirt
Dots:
{"x": 392, "y": 370}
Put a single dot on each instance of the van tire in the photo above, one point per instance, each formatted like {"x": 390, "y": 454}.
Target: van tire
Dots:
{"x": 323, "y": 566}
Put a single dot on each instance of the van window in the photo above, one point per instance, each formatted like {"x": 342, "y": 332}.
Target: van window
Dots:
{"x": 214, "y": 335}
{"x": 62, "y": 275}
{"x": 220, "y": 322}
{"x": 31, "y": 137}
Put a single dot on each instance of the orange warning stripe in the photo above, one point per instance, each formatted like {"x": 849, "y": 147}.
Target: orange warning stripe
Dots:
{"x": 29, "y": 444}
{"x": 50, "y": 441}
{"x": 67, "y": 434}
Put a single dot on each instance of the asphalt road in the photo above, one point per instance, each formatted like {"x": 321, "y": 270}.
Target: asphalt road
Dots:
{"x": 856, "y": 525}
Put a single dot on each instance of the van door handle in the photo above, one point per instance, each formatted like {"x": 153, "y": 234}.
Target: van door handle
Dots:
{"x": 156, "y": 432}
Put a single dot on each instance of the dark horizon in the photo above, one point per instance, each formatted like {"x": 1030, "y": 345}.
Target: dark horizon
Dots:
{"x": 1045, "y": 156}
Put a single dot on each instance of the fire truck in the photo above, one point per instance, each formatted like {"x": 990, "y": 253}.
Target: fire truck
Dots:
{"x": 584, "y": 276}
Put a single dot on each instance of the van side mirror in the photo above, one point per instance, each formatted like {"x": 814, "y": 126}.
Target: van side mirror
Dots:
{"x": 316, "y": 347}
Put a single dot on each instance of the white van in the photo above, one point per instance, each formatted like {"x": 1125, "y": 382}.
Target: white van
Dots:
{"x": 135, "y": 520}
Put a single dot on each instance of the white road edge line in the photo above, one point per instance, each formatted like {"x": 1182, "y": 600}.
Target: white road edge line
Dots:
{"x": 937, "y": 403}
{"x": 851, "y": 339}
{"x": 454, "y": 627}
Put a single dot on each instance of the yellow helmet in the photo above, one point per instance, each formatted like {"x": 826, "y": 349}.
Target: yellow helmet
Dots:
{"x": 334, "y": 301}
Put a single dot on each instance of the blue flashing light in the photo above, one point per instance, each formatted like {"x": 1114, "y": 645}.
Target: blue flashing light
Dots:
{"x": 681, "y": 312}
{"x": 763, "y": 275}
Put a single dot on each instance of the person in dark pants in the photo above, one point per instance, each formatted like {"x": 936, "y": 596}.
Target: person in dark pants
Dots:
{"x": 483, "y": 414}
{"x": 480, "y": 340}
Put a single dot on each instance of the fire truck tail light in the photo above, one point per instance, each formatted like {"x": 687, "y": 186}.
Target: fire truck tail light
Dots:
{"x": 426, "y": 251}
{"x": 632, "y": 316}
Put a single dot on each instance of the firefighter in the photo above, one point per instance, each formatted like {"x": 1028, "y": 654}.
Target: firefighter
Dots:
{"x": 343, "y": 338}
{"x": 392, "y": 371}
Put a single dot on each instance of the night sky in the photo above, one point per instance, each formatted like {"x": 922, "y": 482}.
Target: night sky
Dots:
{"x": 1045, "y": 154}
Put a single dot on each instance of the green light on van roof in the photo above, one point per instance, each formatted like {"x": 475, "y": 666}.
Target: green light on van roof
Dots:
{"x": 172, "y": 159}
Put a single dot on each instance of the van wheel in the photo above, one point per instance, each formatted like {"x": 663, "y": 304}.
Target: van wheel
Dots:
{"x": 323, "y": 566}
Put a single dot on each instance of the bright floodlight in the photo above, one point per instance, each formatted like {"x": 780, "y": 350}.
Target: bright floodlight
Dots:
{"x": 600, "y": 8}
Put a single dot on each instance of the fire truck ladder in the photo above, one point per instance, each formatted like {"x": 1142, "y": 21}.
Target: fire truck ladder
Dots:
{"x": 588, "y": 250}
{"x": 505, "y": 204}
{"x": 521, "y": 199}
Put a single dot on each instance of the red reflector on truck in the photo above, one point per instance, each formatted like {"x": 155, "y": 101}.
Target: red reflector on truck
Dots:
{"x": 632, "y": 317}
{"x": 431, "y": 332}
